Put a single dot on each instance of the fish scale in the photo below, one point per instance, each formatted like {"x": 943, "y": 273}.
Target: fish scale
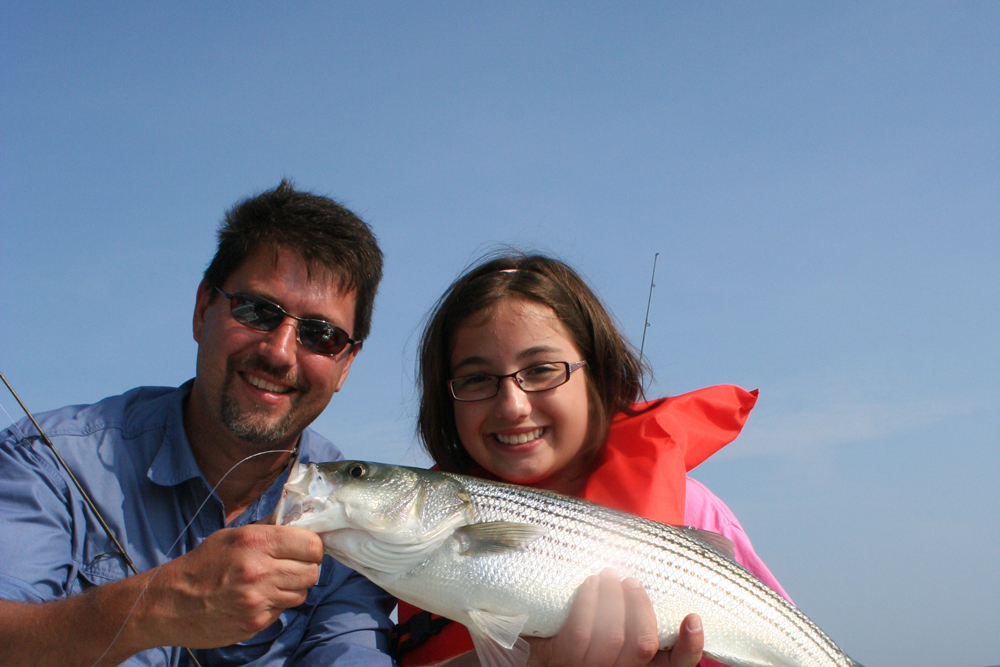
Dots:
{"x": 460, "y": 561}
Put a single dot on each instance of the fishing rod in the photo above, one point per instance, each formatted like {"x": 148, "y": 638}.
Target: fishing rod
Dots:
{"x": 84, "y": 495}
{"x": 648, "y": 302}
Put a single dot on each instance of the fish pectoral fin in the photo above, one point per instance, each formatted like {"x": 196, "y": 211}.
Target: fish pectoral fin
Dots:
{"x": 498, "y": 628}
{"x": 492, "y": 654}
{"x": 496, "y": 537}
{"x": 733, "y": 661}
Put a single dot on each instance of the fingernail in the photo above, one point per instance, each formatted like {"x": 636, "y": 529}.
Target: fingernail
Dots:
{"x": 694, "y": 624}
{"x": 631, "y": 582}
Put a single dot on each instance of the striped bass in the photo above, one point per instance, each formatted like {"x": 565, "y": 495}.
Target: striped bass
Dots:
{"x": 506, "y": 560}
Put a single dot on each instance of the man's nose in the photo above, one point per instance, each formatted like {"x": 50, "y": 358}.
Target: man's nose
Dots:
{"x": 281, "y": 344}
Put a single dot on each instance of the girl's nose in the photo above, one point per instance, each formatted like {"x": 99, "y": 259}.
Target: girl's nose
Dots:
{"x": 511, "y": 402}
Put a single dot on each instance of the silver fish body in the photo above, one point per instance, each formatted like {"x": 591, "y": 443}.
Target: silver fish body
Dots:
{"x": 506, "y": 560}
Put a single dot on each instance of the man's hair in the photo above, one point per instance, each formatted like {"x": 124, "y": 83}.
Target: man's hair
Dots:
{"x": 614, "y": 371}
{"x": 319, "y": 229}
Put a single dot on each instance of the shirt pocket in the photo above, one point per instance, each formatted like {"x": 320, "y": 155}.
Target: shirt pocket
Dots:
{"x": 103, "y": 568}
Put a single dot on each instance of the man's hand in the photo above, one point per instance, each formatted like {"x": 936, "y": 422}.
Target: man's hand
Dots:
{"x": 612, "y": 624}
{"x": 233, "y": 585}
{"x": 230, "y": 587}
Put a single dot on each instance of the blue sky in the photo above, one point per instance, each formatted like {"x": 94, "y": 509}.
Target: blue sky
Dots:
{"x": 821, "y": 180}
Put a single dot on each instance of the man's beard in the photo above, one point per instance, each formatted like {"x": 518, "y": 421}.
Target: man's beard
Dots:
{"x": 254, "y": 424}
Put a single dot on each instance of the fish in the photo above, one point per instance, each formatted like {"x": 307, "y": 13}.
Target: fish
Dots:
{"x": 505, "y": 561}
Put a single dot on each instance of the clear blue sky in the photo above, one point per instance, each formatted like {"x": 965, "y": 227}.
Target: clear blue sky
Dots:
{"x": 821, "y": 180}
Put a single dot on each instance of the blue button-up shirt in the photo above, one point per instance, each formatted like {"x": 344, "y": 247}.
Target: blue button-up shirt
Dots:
{"x": 132, "y": 456}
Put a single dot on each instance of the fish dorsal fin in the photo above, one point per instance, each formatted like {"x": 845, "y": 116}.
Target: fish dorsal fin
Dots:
{"x": 720, "y": 543}
{"x": 494, "y": 537}
{"x": 503, "y": 630}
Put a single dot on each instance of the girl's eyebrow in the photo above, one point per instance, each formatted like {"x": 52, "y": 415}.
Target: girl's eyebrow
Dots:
{"x": 538, "y": 349}
{"x": 525, "y": 354}
{"x": 469, "y": 361}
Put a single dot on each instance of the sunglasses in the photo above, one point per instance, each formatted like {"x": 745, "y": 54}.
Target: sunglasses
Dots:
{"x": 259, "y": 314}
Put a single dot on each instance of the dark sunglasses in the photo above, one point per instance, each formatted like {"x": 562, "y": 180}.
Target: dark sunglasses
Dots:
{"x": 259, "y": 314}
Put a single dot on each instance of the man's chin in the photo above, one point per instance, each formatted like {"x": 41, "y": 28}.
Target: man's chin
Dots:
{"x": 257, "y": 429}
{"x": 257, "y": 434}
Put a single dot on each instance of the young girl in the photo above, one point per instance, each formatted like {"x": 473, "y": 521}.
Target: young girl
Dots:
{"x": 525, "y": 379}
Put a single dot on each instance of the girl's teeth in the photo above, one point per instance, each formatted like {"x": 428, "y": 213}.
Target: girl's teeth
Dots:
{"x": 521, "y": 438}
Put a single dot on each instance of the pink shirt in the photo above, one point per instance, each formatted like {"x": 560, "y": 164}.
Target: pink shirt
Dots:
{"x": 703, "y": 510}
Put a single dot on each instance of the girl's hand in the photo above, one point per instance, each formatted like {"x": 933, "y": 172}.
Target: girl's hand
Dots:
{"x": 612, "y": 624}
{"x": 687, "y": 651}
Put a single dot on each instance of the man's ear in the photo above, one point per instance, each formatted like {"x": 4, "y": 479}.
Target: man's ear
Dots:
{"x": 347, "y": 366}
{"x": 200, "y": 307}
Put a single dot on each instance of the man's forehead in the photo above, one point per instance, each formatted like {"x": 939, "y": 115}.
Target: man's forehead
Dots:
{"x": 316, "y": 270}
{"x": 306, "y": 288}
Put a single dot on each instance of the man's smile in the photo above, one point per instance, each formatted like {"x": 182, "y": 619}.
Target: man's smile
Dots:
{"x": 264, "y": 385}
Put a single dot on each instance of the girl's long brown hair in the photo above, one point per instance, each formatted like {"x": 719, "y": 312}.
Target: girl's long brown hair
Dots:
{"x": 614, "y": 371}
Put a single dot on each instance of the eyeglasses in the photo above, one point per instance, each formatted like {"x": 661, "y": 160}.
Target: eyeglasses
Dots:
{"x": 259, "y": 314}
{"x": 540, "y": 377}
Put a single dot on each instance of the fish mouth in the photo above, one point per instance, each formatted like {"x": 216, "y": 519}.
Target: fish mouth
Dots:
{"x": 296, "y": 509}
{"x": 519, "y": 438}
{"x": 304, "y": 499}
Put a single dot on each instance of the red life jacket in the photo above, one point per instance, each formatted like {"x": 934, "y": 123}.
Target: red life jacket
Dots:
{"x": 642, "y": 471}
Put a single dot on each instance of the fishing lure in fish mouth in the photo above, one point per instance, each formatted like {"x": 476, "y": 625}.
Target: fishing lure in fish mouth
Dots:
{"x": 506, "y": 560}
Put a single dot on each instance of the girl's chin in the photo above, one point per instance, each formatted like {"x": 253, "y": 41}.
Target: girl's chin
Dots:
{"x": 523, "y": 475}
{"x": 543, "y": 477}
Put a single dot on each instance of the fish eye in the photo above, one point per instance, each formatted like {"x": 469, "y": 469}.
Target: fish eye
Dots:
{"x": 357, "y": 470}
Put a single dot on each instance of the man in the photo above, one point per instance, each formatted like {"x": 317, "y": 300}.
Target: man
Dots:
{"x": 279, "y": 318}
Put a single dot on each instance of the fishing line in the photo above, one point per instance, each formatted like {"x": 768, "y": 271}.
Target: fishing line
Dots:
{"x": 100, "y": 517}
{"x": 76, "y": 483}
{"x": 156, "y": 570}
{"x": 20, "y": 433}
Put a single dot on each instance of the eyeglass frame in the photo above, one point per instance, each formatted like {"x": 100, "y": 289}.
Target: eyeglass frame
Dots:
{"x": 351, "y": 343}
{"x": 570, "y": 367}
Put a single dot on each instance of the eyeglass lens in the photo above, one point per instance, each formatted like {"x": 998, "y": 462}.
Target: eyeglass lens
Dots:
{"x": 534, "y": 378}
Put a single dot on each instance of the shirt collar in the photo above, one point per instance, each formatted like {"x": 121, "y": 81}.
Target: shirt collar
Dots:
{"x": 174, "y": 463}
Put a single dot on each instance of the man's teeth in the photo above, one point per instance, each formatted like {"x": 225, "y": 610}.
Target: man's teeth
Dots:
{"x": 267, "y": 386}
{"x": 520, "y": 438}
